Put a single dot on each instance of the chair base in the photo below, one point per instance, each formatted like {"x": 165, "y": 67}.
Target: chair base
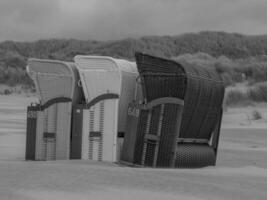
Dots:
{"x": 194, "y": 156}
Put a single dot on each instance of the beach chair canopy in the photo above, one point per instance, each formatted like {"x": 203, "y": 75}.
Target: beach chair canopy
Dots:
{"x": 54, "y": 79}
{"x": 105, "y": 77}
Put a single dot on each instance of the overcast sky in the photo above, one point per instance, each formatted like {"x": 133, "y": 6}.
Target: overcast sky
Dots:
{"x": 27, "y": 20}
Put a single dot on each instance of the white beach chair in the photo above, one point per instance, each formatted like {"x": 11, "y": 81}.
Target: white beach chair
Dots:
{"x": 109, "y": 86}
{"x": 56, "y": 85}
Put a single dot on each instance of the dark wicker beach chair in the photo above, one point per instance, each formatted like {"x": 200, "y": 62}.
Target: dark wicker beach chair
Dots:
{"x": 178, "y": 122}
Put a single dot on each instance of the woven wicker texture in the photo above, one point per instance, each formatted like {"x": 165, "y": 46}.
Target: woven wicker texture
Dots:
{"x": 194, "y": 155}
{"x": 139, "y": 144}
{"x": 168, "y": 136}
{"x": 201, "y": 88}
{"x": 160, "y": 79}
{"x": 202, "y": 91}
{"x": 203, "y": 101}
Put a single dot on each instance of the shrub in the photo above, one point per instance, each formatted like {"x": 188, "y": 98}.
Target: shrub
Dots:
{"x": 227, "y": 79}
{"x": 255, "y": 71}
{"x": 237, "y": 77}
{"x": 236, "y": 97}
{"x": 259, "y": 72}
{"x": 223, "y": 67}
{"x": 256, "y": 115}
{"x": 258, "y": 92}
{"x": 7, "y": 92}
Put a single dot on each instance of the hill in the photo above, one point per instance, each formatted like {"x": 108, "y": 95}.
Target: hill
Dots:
{"x": 13, "y": 55}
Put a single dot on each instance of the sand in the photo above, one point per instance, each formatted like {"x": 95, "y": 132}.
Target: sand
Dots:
{"x": 241, "y": 171}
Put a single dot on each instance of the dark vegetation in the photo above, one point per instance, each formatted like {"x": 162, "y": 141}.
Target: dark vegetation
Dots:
{"x": 256, "y": 115}
{"x": 245, "y": 78}
{"x": 238, "y": 58}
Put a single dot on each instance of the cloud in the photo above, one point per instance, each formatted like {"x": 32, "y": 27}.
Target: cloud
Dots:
{"x": 27, "y": 19}
{"x": 116, "y": 19}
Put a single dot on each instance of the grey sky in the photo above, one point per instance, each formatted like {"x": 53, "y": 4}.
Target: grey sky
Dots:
{"x": 116, "y": 19}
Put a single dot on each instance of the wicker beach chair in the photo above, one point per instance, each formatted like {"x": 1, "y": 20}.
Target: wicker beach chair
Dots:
{"x": 49, "y": 123}
{"x": 99, "y": 123}
{"x": 178, "y": 122}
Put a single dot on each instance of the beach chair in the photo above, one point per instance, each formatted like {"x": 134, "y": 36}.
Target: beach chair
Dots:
{"x": 178, "y": 122}
{"x": 49, "y": 122}
{"x": 99, "y": 124}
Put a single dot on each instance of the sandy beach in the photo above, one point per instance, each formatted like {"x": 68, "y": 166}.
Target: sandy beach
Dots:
{"x": 241, "y": 171}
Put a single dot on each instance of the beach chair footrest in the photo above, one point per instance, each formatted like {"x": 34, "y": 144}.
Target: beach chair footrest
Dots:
{"x": 194, "y": 156}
